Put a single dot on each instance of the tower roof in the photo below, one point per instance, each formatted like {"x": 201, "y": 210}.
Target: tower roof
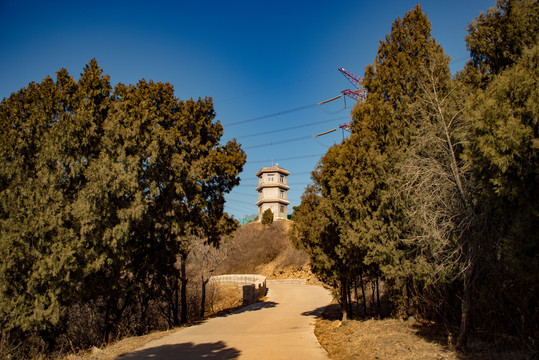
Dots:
{"x": 275, "y": 168}
{"x": 272, "y": 184}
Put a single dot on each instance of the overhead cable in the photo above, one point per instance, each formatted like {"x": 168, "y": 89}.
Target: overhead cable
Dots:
{"x": 240, "y": 201}
{"x": 301, "y": 172}
{"x": 324, "y": 133}
{"x": 326, "y": 101}
{"x": 284, "y": 159}
{"x": 273, "y": 115}
{"x": 292, "y": 127}
{"x": 278, "y": 142}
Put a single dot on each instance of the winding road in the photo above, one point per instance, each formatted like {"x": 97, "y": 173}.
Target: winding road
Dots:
{"x": 282, "y": 327}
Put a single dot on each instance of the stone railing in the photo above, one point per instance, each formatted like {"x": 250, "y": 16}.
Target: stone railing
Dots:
{"x": 286, "y": 282}
{"x": 254, "y": 286}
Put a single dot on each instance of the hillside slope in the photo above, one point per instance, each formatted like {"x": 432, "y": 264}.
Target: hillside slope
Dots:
{"x": 268, "y": 251}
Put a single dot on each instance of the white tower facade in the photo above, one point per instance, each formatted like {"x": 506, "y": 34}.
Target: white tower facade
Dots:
{"x": 272, "y": 192}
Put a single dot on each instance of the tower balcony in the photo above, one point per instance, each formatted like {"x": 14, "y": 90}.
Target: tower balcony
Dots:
{"x": 267, "y": 184}
{"x": 272, "y": 200}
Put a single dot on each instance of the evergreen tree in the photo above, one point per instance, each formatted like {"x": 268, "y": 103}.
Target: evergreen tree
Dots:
{"x": 52, "y": 131}
{"x": 100, "y": 191}
{"x": 497, "y": 39}
{"x": 362, "y": 214}
{"x": 502, "y": 154}
{"x": 267, "y": 217}
{"x": 383, "y": 133}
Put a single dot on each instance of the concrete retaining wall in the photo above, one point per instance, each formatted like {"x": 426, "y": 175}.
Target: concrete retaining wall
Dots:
{"x": 254, "y": 286}
{"x": 286, "y": 281}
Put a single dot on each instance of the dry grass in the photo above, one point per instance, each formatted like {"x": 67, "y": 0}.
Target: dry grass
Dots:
{"x": 223, "y": 298}
{"x": 124, "y": 346}
{"x": 402, "y": 340}
{"x": 363, "y": 340}
{"x": 377, "y": 339}
{"x": 258, "y": 246}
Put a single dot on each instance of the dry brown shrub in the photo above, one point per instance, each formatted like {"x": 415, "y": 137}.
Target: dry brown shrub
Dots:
{"x": 223, "y": 298}
{"x": 257, "y": 245}
{"x": 398, "y": 339}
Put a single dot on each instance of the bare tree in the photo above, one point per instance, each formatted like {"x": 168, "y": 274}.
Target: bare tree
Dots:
{"x": 436, "y": 186}
{"x": 206, "y": 258}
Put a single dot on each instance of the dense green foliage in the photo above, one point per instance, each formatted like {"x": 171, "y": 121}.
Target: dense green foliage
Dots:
{"x": 505, "y": 156}
{"x": 435, "y": 192}
{"x": 362, "y": 215}
{"x": 498, "y": 38}
{"x": 100, "y": 191}
{"x": 267, "y": 217}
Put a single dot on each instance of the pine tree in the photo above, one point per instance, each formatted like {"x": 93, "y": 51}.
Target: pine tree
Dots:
{"x": 502, "y": 116}
{"x": 267, "y": 217}
{"x": 502, "y": 154}
{"x": 362, "y": 215}
{"x": 498, "y": 38}
{"x": 384, "y": 130}
{"x": 100, "y": 192}
{"x": 50, "y": 128}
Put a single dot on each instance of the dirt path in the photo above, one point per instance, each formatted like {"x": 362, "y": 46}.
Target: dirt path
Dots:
{"x": 282, "y": 327}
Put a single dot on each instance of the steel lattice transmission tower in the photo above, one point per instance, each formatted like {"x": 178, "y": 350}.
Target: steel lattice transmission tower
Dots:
{"x": 359, "y": 93}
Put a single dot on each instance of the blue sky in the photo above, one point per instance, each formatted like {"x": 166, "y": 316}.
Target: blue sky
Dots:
{"x": 254, "y": 58}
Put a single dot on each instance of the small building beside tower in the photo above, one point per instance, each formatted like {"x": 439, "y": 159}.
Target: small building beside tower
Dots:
{"x": 272, "y": 192}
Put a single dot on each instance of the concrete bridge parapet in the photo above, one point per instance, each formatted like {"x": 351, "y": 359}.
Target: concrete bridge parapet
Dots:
{"x": 254, "y": 286}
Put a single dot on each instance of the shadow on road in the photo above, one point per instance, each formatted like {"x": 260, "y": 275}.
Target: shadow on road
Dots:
{"x": 318, "y": 311}
{"x": 256, "y": 306}
{"x": 187, "y": 351}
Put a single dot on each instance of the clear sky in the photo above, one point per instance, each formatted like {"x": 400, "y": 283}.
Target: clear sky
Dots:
{"x": 254, "y": 58}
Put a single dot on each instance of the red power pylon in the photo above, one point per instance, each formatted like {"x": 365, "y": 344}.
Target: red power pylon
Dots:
{"x": 358, "y": 94}
{"x": 356, "y": 80}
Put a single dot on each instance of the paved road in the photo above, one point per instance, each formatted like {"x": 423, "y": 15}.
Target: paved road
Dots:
{"x": 280, "y": 328}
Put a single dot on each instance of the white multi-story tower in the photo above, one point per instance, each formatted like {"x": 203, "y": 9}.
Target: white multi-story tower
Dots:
{"x": 272, "y": 190}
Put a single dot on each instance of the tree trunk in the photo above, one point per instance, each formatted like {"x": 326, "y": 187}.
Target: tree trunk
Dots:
{"x": 176, "y": 304}
{"x": 203, "y": 296}
{"x": 183, "y": 292}
{"x": 378, "y": 295}
{"x": 462, "y": 339}
{"x": 350, "y": 308}
{"x": 344, "y": 299}
{"x": 356, "y": 294}
{"x": 373, "y": 303}
{"x": 170, "y": 314}
{"x": 363, "y": 293}
{"x": 106, "y": 331}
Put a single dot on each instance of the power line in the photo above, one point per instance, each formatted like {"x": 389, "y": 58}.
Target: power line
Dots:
{"x": 284, "y": 159}
{"x": 240, "y": 201}
{"x": 245, "y": 194}
{"x": 279, "y": 142}
{"x": 300, "y": 173}
{"x": 292, "y": 127}
{"x": 288, "y": 183}
{"x": 273, "y": 115}
{"x": 243, "y": 212}
{"x": 239, "y": 208}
